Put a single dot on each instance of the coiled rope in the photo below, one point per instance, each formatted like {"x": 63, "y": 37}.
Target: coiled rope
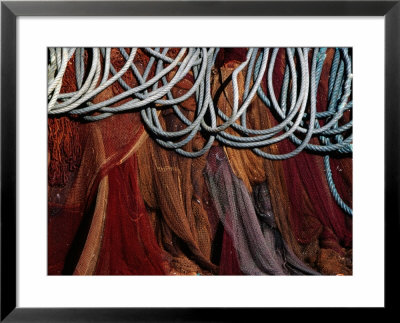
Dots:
{"x": 298, "y": 119}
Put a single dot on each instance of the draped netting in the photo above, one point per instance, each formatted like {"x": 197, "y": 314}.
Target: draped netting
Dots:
{"x": 134, "y": 186}
{"x": 93, "y": 228}
{"x": 260, "y": 247}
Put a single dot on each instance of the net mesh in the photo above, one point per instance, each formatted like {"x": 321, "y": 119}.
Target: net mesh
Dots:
{"x": 119, "y": 204}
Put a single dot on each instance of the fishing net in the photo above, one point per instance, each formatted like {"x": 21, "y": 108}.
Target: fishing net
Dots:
{"x": 94, "y": 228}
{"x": 183, "y": 161}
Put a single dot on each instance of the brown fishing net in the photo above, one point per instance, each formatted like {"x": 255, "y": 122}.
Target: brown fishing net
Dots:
{"x": 171, "y": 187}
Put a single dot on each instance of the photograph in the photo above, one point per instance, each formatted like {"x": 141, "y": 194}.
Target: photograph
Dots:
{"x": 199, "y": 161}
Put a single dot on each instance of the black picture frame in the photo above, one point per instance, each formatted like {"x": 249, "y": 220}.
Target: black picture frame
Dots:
{"x": 10, "y": 10}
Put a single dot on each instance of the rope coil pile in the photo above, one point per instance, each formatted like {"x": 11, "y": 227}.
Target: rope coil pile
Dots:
{"x": 297, "y": 116}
